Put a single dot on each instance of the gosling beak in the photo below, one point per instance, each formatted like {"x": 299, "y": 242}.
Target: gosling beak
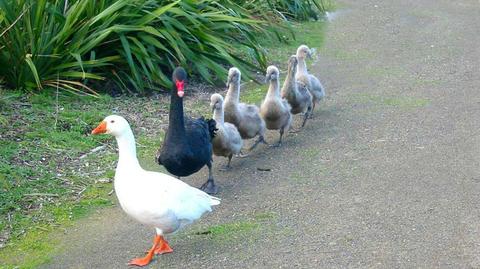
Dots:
{"x": 100, "y": 129}
{"x": 213, "y": 108}
{"x": 228, "y": 82}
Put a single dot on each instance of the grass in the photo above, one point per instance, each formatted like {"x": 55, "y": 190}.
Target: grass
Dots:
{"x": 309, "y": 33}
{"x": 134, "y": 43}
{"x": 48, "y": 176}
{"x": 227, "y": 229}
{"x": 227, "y": 232}
{"x": 253, "y": 95}
{"x": 44, "y": 183}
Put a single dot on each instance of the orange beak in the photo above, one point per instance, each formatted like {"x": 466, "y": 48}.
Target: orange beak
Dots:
{"x": 101, "y": 128}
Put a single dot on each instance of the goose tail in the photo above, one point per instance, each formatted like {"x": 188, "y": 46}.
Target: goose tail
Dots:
{"x": 214, "y": 200}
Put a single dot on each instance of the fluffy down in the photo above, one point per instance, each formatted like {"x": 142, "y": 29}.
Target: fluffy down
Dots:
{"x": 245, "y": 117}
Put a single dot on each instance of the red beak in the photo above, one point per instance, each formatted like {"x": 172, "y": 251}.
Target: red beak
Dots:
{"x": 101, "y": 128}
{"x": 180, "y": 86}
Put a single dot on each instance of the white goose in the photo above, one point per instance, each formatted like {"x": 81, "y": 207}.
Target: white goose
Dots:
{"x": 152, "y": 198}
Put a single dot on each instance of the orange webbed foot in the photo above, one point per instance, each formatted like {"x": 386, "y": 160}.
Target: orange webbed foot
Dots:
{"x": 148, "y": 258}
{"x": 163, "y": 248}
{"x": 141, "y": 261}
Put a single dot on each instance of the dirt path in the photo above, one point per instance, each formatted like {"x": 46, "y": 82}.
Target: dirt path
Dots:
{"x": 386, "y": 176}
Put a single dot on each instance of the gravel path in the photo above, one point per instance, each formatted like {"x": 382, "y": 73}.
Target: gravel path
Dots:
{"x": 387, "y": 175}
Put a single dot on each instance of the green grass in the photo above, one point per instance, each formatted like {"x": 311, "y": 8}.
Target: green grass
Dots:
{"x": 45, "y": 186}
{"x": 310, "y": 33}
{"x": 249, "y": 227}
{"x": 135, "y": 43}
{"x": 84, "y": 46}
{"x": 253, "y": 95}
{"x": 225, "y": 230}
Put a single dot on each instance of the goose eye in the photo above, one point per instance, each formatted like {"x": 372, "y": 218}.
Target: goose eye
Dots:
{"x": 112, "y": 121}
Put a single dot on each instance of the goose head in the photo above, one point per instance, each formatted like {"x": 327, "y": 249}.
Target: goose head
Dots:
{"x": 292, "y": 63}
{"x": 114, "y": 125}
{"x": 179, "y": 77}
{"x": 216, "y": 102}
{"x": 272, "y": 73}
{"x": 304, "y": 52}
{"x": 234, "y": 76}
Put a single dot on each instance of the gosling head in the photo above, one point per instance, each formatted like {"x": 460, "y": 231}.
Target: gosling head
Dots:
{"x": 216, "y": 102}
{"x": 234, "y": 76}
{"x": 113, "y": 124}
{"x": 304, "y": 52}
{"x": 272, "y": 73}
{"x": 179, "y": 77}
{"x": 292, "y": 63}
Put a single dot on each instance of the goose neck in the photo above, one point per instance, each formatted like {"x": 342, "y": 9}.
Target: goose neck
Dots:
{"x": 273, "y": 89}
{"x": 176, "y": 121}
{"x": 290, "y": 81}
{"x": 233, "y": 94}
{"x": 127, "y": 150}
{"x": 302, "y": 66}
{"x": 218, "y": 115}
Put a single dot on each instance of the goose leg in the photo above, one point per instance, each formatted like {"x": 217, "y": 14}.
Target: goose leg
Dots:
{"x": 209, "y": 186}
{"x": 148, "y": 258}
{"x": 311, "y": 112}
{"x": 163, "y": 247}
{"x": 260, "y": 139}
{"x": 307, "y": 115}
{"x": 227, "y": 167}
{"x": 279, "y": 143}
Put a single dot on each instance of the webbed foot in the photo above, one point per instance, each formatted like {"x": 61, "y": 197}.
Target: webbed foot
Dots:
{"x": 225, "y": 168}
{"x": 209, "y": 187}
{"x": 276, "y": 145}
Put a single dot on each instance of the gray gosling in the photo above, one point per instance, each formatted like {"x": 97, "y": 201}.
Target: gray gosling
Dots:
{"x": 310, "y": 81}
{"x": 245, "y": 117}
{"x": 274, "y": 110}
{"x": 227, "y": 141}
{"x": 296, "y": 93}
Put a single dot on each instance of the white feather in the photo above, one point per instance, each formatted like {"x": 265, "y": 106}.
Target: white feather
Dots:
{"x": 153, "y": 198}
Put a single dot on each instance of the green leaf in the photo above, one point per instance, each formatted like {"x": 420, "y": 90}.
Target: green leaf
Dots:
{"x": 33, "y": 69}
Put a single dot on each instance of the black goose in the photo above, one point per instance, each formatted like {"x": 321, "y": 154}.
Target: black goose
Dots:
{"x": 187, "y": 146}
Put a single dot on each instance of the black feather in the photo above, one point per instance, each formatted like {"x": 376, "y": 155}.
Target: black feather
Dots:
{"x": 212, "y": 127}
